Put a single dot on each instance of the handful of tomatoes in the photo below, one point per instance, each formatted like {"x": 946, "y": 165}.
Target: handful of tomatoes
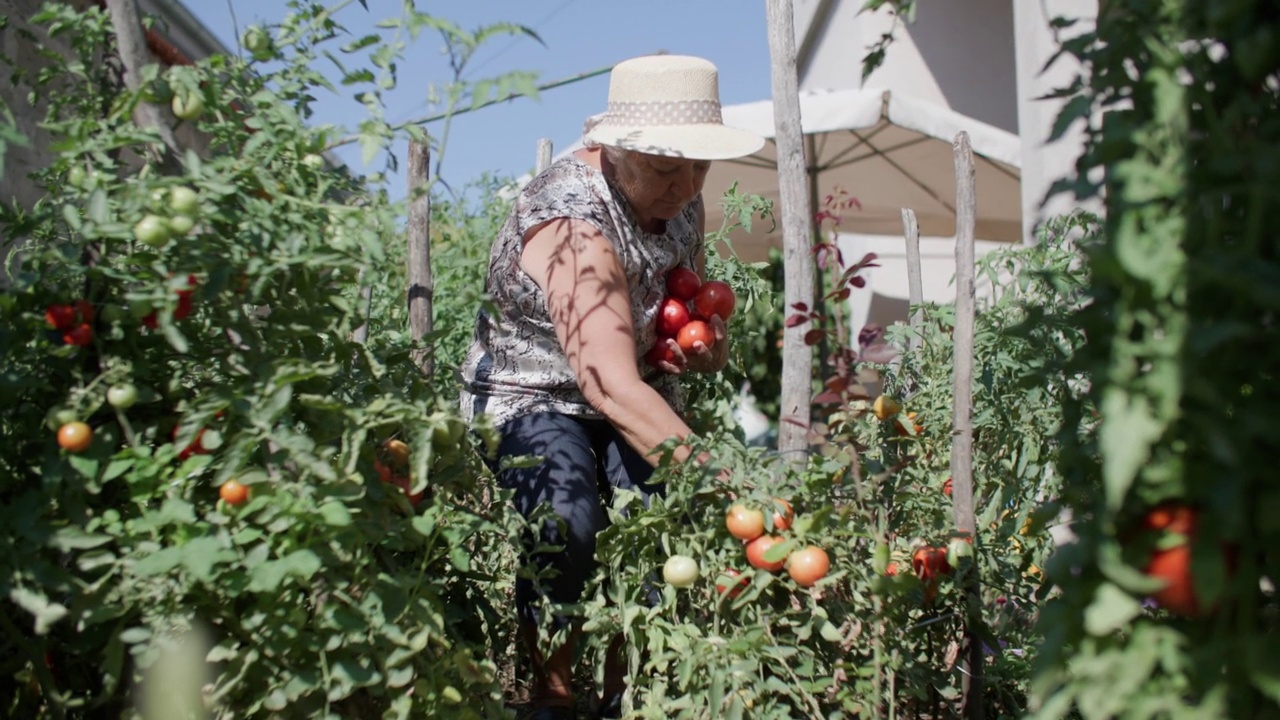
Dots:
{"x": 684, "y": 316}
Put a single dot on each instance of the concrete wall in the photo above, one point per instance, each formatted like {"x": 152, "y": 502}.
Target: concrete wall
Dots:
{"x": 176, "y": 25}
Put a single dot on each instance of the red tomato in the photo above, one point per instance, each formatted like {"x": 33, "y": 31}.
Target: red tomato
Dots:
{"x": 891, "y": 569}
{"x": 384, "y": 472}
{"x": 928, "y": 562}
{"x": 660, "y": 352}
{"x": 75, "y": 437}
{"x": 744, "y": 523}
{"x": 673, "y": 316}
{"x": 79, "y": 335}
{"x": 233, "y": 492}
{"x": 756, "y": 550}
{"x": 683, "y": 283}
{"x": 946, "y": 487}
{"x": 60, "y": 317}
{"x": 406, "y": 484}
{"x": 733, "y": 591}
{"x": 195, "y": 447}
{"x": 1174, "y": 567}
{"x": 808, "y": 566}
{"x": 715, "y": 298}
{"x": 694, "y": 332}
{"x": 1171, "y": 516}
{"x": 783, "y": 515}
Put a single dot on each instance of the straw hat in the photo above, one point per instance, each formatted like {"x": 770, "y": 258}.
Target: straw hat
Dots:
{"x": 668, "y": 105}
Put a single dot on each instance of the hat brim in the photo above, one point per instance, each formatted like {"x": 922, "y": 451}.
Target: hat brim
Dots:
{"x": 695, "y": 142}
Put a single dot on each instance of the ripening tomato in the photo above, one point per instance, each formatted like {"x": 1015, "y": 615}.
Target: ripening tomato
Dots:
{"x": 891, "y": 569}
{"x": 723, "y": 588}
{"x": 1171, "y": 516}
{"x": 744, "y": 523}
{"x": 75, "y": 436}
{"x": 715, "y": 297}
{"x": 398, "y": 451}
{"x": 946, "y": 487}
{"x": 783, "y": 515}
{"x": 60, "y": 317}
{"x": 80, "y": 335}
{"x": 1174, "y": 567}
{"x": 808, "y": 566}
{"x": 680, "y": 571}
{"x": 928, "y": 562}
{"x": 672, "y": 316}
{"x": 696, "y": 331}
{"x": 660, "y": 352}
{"x": 234, "y": 492}
{"x": 885, "y": 407}
{"x": 683, "y": 283}
{"x": 756, "y": 550}
{"x": 384, "y": 472}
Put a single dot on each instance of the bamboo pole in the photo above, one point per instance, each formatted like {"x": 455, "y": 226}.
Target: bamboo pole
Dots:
{"x": 544, "y": 155}
{"x": 797, "y": 355}
{"x": 421, "y": 282}
{"x": 962, "y": 424}
{"x": 915, "y": 282}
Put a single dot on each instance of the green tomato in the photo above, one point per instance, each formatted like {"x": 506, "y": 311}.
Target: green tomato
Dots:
{"x": 122, "y": 396}
{"x": 59, "y": 416}
{"x": 76, "y": 177}
{"x": 257, "y": 42}
{"x": 152, "y": 230}
{"x": 141, "y": 308}
{"x": 680, "y": 571}
{"x": 112, "y": 313}
{"x": 187, "y": 107}
{"x": 313, "y": 161}
{"x": 959, "y": 548}
{"x": 184, "y": 201}
{"x": 181, "y": 224}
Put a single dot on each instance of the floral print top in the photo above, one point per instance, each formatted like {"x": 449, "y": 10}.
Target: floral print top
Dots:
{"x": 515, "y": 364}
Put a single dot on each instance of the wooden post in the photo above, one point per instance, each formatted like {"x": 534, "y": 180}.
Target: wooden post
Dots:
{"x": 915, "y": 283}
{"x": 361, "y": 333}
{"x": 131, "y": 40}
{"x": 421, "y": 283}
{"x": 544, "y": 155}
{"x": 793, "y": 190}
{"x": 962, "y": 424}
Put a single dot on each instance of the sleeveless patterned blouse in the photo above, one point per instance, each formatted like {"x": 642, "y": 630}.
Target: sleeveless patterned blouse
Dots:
{"x": 515, "y": 364}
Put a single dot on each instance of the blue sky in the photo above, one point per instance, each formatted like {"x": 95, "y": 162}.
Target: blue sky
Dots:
{"x": 578, "y": 36}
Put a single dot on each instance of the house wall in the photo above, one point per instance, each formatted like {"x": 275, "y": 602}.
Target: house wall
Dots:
{"x": 176, "y": 25}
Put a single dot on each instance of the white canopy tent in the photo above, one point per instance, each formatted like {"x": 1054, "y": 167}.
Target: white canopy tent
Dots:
{"x": 887, "y": 151}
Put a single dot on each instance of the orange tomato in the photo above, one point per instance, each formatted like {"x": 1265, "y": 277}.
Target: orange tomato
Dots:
{"x": 744, "y": 523}
{"x": 783, "y": 515}
{"x": 398, "y": 451}
{"x": 808, "y": 566}
{"x": 695, "y": 331}
{"x": 75, "y": 436}
{"x": 234, "y": 492}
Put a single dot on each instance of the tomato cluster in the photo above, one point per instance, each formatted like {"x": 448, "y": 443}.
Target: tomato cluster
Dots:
{"x": 685, "y": 312}
{"x": 181, "y": 310}
{"x": 885, "y": 407}
{"x": 74, "y": 321}
{"x": 395, "y": 469}
{"x": 806, "y": 566}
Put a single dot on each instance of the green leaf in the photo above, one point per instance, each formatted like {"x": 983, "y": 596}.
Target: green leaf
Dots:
{"x": 1125, "y": 438}
{"x": 85, "y": 465}
{"x": 46, "y": 611}
{"x": 335, "y": 514}
{"x": 158, "y": 563}
{"x": 268, "y": 576}
{"x": 200, "y": 555}
{"x": 1111, "y": 609}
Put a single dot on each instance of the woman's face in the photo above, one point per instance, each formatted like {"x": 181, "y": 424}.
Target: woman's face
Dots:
{"x": 660, "y": 187}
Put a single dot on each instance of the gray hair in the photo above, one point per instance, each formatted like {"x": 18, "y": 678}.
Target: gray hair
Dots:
{"x": 616, "y": 155}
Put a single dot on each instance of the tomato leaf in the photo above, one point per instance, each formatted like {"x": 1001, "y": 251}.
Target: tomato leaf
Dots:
{"x": 1110, "y": 610}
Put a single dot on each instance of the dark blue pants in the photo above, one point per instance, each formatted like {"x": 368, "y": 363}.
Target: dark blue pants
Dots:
{"x": 584, "y": 461}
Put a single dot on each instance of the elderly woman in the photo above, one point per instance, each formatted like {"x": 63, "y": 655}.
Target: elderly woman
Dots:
{"x": 578, "y": 275}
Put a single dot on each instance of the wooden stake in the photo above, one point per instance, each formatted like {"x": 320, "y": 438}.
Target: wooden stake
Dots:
{"x": 131, "y": 40}
{"x": 421, "y": 283}
{"x": 915, "y": 283}
{"x": 962, "y": 424}
{"x": 797, "y": 226}
{"x": 544, "y": 155}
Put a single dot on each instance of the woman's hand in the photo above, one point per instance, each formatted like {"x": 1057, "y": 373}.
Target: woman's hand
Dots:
{"x": 701, "y": 358}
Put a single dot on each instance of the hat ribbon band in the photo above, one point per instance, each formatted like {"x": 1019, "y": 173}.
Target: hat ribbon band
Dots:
{"x": 651, "y": 113}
